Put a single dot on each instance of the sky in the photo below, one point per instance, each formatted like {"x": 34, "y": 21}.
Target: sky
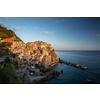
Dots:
{"x": 63, "y": 33}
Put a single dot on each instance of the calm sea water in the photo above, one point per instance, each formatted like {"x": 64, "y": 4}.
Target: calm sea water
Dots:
{"x": 73, "y": 75}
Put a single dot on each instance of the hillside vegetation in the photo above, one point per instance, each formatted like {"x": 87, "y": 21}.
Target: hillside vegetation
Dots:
{"x": 8, "y": 73}
{"x": 5, "y": 33}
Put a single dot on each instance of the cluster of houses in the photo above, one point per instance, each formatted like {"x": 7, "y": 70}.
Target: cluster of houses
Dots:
{"x": 31, "y": 50}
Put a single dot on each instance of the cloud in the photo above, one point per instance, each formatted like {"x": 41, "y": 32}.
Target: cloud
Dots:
{"x": 3, "y": 25}
{"x": 23, "y": 27}
{"x": 35, "y": 27}
{"x": 40, "y": 32}
{"x": 49, "y": 32}
{"x": 43, "y": 29}
{"x": 45, "y": 32}
{"x": 98, "y": 34}
{"x": 62, "y": 20}
{"x": 57, "y": 21}
{"x": 15, "y": 28}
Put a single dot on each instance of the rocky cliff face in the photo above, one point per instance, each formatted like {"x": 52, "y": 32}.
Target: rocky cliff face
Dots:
{"x": 39, "y": 51}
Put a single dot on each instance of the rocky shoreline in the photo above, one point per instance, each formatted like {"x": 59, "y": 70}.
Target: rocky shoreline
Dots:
{"x": 40, "y": 74}
{"x": 45, "y": 78}
{"x": 37, "y": 75}
{"x": 73, "y": 64}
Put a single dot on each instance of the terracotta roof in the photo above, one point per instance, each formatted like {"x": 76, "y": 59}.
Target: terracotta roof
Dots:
{"x": 20, "y": 47}
{"x": 8, "y": 40}
{"x": 26, "y": 50}
{"x": 37, "y": 44}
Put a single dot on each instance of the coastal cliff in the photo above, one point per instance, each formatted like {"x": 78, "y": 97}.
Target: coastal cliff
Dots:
{"x": 41, "y": 52}
{"x": 20, "y": 57}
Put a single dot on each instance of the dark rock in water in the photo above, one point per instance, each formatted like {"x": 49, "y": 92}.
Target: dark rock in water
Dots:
{"x": 74, "y": 65}
{"x": 53, "y": 72}
{"x": 88, "y": 81}
{"x": 61, "y": 60}
{"x": 62, "y": 71}
{"x": 84, "y": 67}
{"x": 65, "y": 62}
{"x": 52, "y": 75}
{"x": 56, "y": 73}
{"x": 78, "y": 66}
{"x": 68, "y": 63}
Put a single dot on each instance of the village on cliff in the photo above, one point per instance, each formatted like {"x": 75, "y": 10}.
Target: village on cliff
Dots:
{"x": 34, "y": 58}
{"x": 35, "y": 51}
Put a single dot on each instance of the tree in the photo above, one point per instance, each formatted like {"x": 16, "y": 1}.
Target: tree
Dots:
{"x": 8, "y": 74}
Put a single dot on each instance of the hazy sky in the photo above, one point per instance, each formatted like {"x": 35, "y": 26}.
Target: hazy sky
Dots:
{"x": 63, "y": 33}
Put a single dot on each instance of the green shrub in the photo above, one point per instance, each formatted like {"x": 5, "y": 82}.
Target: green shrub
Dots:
{"x": 5, "y": 33}
{"x": 6, "y": 65}
{"x": 7, "y": 60}
{"x": 16, "y": 65}
{"x": 13, "y": 55}
{"x": 1, "y": 55}
{"x": 4, "y": 44}
{"x": 8, "y": 75}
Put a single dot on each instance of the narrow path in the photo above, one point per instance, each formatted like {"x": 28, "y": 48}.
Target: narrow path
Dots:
{"x": 2, "y": 59}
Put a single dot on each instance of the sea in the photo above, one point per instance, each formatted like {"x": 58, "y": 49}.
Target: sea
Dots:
{"x": 73, "y": 75}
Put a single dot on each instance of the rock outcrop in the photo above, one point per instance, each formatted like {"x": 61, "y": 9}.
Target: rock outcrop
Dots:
{"x": 46, "y": 60}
